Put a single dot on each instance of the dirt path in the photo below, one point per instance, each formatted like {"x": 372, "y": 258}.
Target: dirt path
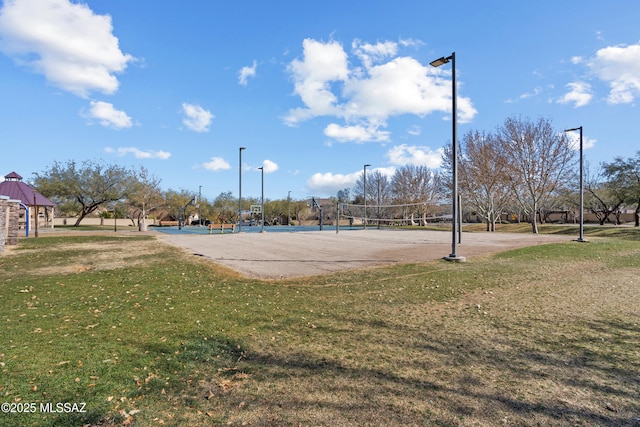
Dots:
{"x": 285, "y": 255}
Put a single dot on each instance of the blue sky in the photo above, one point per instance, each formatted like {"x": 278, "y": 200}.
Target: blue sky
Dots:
{"x": 313, "y": 90}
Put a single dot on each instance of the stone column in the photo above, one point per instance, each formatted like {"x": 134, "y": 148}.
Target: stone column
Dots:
{"x": 12, "y": 219}
{"x": 4, "y": 225}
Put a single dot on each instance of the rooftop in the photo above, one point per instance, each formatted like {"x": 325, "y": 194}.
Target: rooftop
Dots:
{"x": 15, "y": 189}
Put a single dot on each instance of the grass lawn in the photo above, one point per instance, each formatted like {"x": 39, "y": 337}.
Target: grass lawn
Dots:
{"x": 136, "y": 333}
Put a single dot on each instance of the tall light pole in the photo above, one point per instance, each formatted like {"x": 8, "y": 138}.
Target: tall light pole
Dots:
{"x": 365, "y": 195}
{"x": 240, "y": 191}
{"x": 35, "y": 215}
{"x": 581, "y": 238}
{"x": 289, "y": 208}
{"x": 199, "y": 204}
{"x": 378, "y": 200}
{"x": 262, "y": 201}
{"x": 454, "y": 161}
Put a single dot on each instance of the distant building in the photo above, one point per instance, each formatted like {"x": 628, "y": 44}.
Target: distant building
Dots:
{"x": 13, "y": 188}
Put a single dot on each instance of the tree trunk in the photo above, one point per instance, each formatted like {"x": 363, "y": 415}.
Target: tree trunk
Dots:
{"x": 534, "y": 222}
{"x": 80, "y": 218}
{"x": 412, "y": 222}
{"x": 86, "y": 210}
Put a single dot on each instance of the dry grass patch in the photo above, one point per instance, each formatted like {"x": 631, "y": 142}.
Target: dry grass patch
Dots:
{"x": 546, "y": 335}
{"x": 74, "y": 258}
{"x": 531, "y": 338}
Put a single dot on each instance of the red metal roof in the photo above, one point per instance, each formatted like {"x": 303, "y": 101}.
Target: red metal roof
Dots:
{"x": 15, "y": 189}
{"x": 13, "y": 176}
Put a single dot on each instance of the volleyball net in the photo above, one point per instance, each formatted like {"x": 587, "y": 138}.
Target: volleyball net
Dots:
{"x": 394, "y": 214}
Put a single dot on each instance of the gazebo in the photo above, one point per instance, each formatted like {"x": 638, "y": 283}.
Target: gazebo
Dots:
{"x": 30, "y": 200}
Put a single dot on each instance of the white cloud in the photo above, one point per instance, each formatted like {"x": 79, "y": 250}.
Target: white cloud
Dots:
{"x": 414, "y": 130}
{"x": 411, "y": 42}
{"x": 401, "y": 86}
{"x": 580, "y": 94}
{"x": 619, "y": 66}
{"x": 404, "y": 154}
{"x": 574, "y": 141}
{"x": 322, "y": 64}
{"x": 535, "y": 92}
{"x": 138, "y": 154}
{"x": 269, "y": 166}
{"x": 66, "y": 42}
{"x": 365, "y": 97}
{"x": 196, "y": 118}
{"x": 108, "y": 116}
{"x": 247, "y": 72}
{"x": 388, "y": 171}
{"x": 356, "y": 133}
{"x": 216, "y": 164}
{"x": 322, "y": 184}
{"x": 370, "y": 53}
{"x": 327, "y": 184}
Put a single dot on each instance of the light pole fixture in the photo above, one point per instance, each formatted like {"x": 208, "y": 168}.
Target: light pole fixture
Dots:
{"x": 365, "y": 195}
{"x": 240, "y": 191}
{"x": 454, "y": 161}
{"x": 581, "y": 237}
{"x": 262, "y": 201}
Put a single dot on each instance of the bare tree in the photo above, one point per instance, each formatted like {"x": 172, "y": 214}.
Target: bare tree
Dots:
{"x": 378, "y": 188}
{"x": 378, "y": 192}
{"x": 416, "y": 185}
{"x": 343, "y": 196}
{"x": 144, "y": 195}
{"x": 482, "y": 176}
{"x": 539, "y": 159}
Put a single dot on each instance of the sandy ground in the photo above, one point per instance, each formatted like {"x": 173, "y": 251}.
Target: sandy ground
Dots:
{"x": 285, "y": 255}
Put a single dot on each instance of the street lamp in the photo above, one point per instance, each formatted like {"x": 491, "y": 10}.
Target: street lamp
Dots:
{"x": 240, "y": 191}
{"x": 262, "y": 202}
{"x": 35, "y": 215}
{"x": 454, "y": 143}
{"x": 115, "y": 219}
{"x": 365, "y": 195}
{"x": 289, "y": 208}
{"x": 378, "y": 200}
{"x": 199, "y": 204}
{"x": 581, "y": 238}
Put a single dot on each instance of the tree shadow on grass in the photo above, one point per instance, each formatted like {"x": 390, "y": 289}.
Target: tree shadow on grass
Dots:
{"x": 382, "y": 372}
{"x": 464, "y": 380}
